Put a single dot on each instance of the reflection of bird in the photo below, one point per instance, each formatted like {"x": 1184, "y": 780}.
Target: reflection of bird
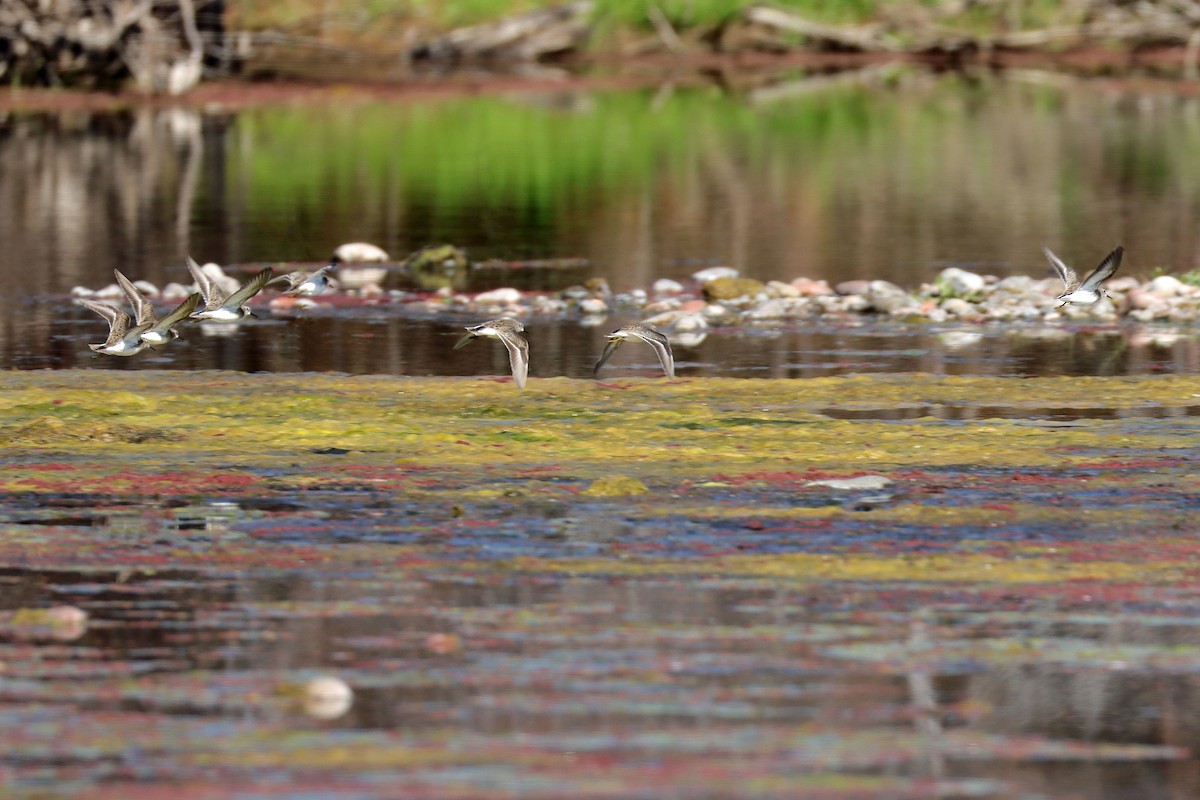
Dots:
{"x": 304, "y": 284}
{"x": 160, "y": 331}
{"x": 646, "y": 334}
{"x": 219, "y": 307}
{"x": 1089, "y": 290}
{"x": 509, "y": 332}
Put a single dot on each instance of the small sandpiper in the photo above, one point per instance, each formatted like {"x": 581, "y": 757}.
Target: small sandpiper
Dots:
{"x": 160, "y": 331}
{"x": 122, "y": 340}
{"x": 221, "y": 308}
{"x": 306, "y": 284}
{"x": 125, "y": 339}
{"x": 1089, "y": 291}
{"x": 509, "y": 332}
{"x": 646, "y": 334}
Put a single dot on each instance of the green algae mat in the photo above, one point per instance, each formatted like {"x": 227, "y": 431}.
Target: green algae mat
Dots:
{"x": 228, "y": 585}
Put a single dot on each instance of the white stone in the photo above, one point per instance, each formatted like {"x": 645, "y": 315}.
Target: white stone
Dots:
{"x": 1017, "y": 284}
{"x": 712, "y": 273}
{"x": 147, "y": 288}
{"x": 327, "y": 697}
{"x": 1165, "y": 286}
{"x": 665, "y": 286}
{"x": 960, "y": 283}
{"x": 174, "y": 291}
{"x": 593, "y": 305}
{"x": 359, "y": 252}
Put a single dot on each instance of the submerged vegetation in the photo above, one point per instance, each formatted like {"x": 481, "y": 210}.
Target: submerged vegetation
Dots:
{"x": 332, "y": 585}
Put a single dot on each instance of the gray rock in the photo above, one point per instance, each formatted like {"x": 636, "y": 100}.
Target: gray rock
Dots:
{"x": 887, "y": 297}
{"x": 852, "y": 287}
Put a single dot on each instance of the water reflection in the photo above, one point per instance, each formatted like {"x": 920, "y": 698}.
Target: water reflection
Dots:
{"x": 387, "y": 340}
{"x": 730, "y": 672}
{"x": 892, "y": 174}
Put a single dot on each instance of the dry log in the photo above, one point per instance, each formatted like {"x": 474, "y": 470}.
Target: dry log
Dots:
{"x": 1136, "y": 23}
{"x": 160, "y": 44}
{"x": 524, "y": 37}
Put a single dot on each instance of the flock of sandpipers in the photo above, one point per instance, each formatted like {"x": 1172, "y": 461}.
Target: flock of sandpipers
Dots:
{"x": 128, "y": 337}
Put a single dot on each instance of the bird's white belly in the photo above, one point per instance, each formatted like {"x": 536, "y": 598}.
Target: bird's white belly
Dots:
{"x": 1081, "y": 297}
{"x": 220, "y": 315}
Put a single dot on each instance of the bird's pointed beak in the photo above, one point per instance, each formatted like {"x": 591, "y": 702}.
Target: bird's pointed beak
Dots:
{"x": 464, "y": 340}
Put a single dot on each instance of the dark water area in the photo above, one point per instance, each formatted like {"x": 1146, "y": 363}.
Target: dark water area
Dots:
{"x": 383, "y": 341}
{"x": 888, "y": 173}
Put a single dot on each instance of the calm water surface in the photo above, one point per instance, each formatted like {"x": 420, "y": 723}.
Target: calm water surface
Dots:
{"x": 883, "y": 174}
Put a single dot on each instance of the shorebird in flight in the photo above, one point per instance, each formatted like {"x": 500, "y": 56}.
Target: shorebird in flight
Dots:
{"x": 508, "y": 331}
{"x": 662, "y": 347}
{"x": 160, "y": 331}
{"x": 220, "y": 307}
{"x": 1089, "y": 290}
{"x": 126, "y": 339}
{"x": 306, "y": 284}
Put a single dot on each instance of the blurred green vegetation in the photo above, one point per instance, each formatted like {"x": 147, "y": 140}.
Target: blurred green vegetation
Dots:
{"x": 827, "y": 174}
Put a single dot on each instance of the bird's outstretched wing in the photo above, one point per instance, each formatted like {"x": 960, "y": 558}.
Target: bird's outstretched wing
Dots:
{"x": 118, "y": 320}
{"x": 1069, "y": 278}
{"x": 143, "y": 309}
{"x": 181, "y": 312}
{"x": 248, "y": 289}
{"x": 661, "y": 346}
{"x": 1107, "y": 268}
{"x": 609, "y": 349}
{"x": 518, "y": 356}
{"x": 213, "y": 296}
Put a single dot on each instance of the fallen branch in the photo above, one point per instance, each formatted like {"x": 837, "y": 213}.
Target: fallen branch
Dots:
{"x": 525, "y": 37}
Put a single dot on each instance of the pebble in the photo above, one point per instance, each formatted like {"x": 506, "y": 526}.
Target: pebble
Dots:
{"x": 958, "y": 307}
{"x": 665, "y": 286}
{"x": 593, "y": 305}
{"x": 327, "y": 697}
{"x": 811, "y": 288}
